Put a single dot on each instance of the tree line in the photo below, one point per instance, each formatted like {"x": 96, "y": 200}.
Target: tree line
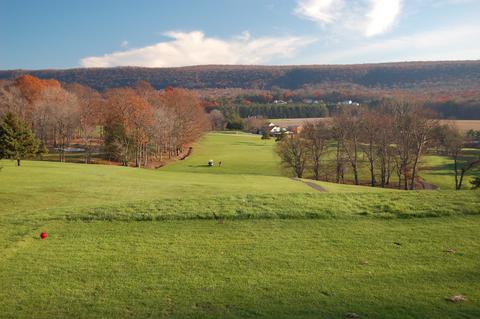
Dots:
{"x": 389, "y": 143}
{"x": 132, "y": 126}
{"x": 296, "y": 110}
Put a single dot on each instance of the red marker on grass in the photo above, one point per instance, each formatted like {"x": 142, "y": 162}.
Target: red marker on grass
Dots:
{"x": 43, "y": 235}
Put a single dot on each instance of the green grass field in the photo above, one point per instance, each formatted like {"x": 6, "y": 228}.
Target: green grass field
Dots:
{"x": 237, "y": 241}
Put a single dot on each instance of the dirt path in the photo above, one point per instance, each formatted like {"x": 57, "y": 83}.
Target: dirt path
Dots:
{"x": 310, "y": 184}
{"x": 427, "y": 186}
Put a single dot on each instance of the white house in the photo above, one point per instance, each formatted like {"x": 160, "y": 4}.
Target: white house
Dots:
{"x": 275, "y": 129}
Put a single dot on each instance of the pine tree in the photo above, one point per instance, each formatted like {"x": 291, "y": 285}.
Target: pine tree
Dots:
{"x": 17, "y": 140}
{"x": 266, "y": 134}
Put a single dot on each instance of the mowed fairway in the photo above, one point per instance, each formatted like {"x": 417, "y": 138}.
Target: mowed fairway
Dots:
{"x": 239, "y": 153}
{"x": 237, "y": 241}
{"x": 250, "y": 163}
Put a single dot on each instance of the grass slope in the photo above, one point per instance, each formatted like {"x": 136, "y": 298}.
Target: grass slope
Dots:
{"x": 245, "y": 269}
{"x": 36, "y": 186}
{"x": 439, "y": 170}
{"x": 240, "y": 153}
{"x": 134, "y": 243}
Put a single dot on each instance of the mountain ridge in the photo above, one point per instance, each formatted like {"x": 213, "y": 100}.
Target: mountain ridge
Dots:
{"x": 413, "y": 74}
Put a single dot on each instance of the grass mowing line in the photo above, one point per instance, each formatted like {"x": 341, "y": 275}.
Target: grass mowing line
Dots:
{"x": 273, "y": 206}
{"x": 43, "y": 185}
{"x": 311, "y": 185}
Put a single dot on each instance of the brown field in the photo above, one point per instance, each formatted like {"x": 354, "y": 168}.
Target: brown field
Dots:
{"x": 463, "y": 125}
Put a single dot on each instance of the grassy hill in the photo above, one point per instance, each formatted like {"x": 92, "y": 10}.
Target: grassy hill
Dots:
{"x": 240, "y": 153}
{"x": 236, "y": 241}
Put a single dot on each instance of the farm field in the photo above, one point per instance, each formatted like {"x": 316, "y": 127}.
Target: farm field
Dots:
{"x": 463, "y": 125}
{"x": 237, "y": 241}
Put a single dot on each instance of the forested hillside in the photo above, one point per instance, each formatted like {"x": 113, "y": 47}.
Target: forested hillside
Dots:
{"x": 388, "y": 75}
{"x": 452, "y": 89}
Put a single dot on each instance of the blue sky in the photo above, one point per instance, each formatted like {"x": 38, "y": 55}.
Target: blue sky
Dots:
{"x": 40, "y": 34}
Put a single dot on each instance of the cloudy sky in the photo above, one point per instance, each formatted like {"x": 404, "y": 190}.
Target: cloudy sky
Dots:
{"x": 157, "y": 33}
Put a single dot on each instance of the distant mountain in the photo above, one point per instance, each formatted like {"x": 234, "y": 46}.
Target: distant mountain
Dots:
{"x": 406, "y": 75}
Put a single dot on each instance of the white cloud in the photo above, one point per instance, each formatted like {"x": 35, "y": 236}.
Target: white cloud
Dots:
{"x": 323, "y": 11}
{"x": 451, "y": 2}
{"x": 194, "y": 48}
{"x": 369, "y": 17}
{"x": 382, "y": 16}
{"x": 124, "y": 44}
{"x": 454, "y": 43}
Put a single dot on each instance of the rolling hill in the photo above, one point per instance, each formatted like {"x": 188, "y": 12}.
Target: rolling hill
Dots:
{"x": 456, "y": 74}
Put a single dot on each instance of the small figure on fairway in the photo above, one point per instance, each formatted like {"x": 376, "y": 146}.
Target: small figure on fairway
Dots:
{"x": 210, "y": 163}
{"x": 220, "y": 164}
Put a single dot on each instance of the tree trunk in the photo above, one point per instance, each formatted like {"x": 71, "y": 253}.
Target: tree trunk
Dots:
{"x": 338, "y": 168}
{"x": 455, "y": 167}
{"x": 355, "y": 174}
{"x": 414, "y": 168}
{"x": 372, "y": 173}
{"x": 462, "y": 173}
{"x": 389, "y": 170}
{"x": 355, "y": 161}
{"x": 316, "y": 168}
{"x": 404, "y": 172}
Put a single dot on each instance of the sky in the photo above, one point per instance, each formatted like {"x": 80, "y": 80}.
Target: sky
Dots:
{"x": 46, "y": 34}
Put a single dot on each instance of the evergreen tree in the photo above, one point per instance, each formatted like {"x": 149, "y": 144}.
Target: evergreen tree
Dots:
{"x": 266, "y": 134}
{"x": 17, "y": 140}
{"x": 281, "y": 136}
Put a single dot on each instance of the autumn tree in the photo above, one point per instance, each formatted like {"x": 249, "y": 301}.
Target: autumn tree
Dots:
{"x": 190, "y": 120}
{"x": 12, "y": 100}
{"x": 31, "y": 89}
{"x": 89, "y": 116}
{"x": 127, "y": 124}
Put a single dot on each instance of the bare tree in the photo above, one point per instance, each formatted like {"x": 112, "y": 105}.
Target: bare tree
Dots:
{"x": 89, "y": 102}
{"x": 293, "y": 153}
{"x": 254, "y": 124}
{"x": 347, "y": 128}
{"x": 423, "y": 128}
{"x": 217, "y": 120}
{"x": 317, "y": 137}
{"x": 56, "y": 118}
{"x": 339, "y": 136}
{"x": 413, "y": 129}
{"x": 453, "y": 142}
{"x": 384, "y": 147}
{"x": 369, "y": 127}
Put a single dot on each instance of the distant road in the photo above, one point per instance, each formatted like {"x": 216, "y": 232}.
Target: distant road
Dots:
{"x": 463, "y": 125}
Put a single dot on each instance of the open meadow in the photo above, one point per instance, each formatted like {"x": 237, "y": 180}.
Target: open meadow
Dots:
{"x": 240, "y": 240}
